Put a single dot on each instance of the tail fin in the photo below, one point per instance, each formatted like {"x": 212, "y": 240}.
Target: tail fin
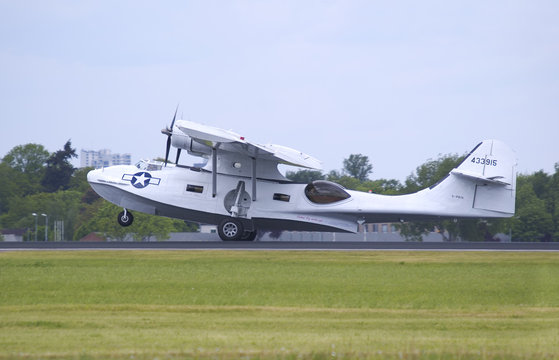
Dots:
{"x": 490, "y": 170}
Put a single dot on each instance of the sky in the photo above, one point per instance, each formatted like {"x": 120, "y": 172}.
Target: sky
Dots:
{"x": 400, "y": 82}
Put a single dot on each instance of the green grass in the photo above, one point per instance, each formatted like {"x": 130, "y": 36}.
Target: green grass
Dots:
{"x": 279, "y": 305}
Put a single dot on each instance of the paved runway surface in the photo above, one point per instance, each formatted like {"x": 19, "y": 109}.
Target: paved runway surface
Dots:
{"x": 280, "y": 245}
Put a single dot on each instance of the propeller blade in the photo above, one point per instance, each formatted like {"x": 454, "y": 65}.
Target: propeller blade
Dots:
{"x": 178, "y": 155}
{"x": 168, "y": 148}
{"x": 169, "y": 132}
{"x": 174, "y": 118}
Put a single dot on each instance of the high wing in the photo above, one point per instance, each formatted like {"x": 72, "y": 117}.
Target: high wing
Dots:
{"x": 227, "y": 140}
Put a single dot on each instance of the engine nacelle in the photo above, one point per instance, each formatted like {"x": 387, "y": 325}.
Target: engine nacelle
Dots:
{"x": 182, "y": 141}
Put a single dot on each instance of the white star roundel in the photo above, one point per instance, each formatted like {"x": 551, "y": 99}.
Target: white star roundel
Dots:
{"x": 141, "y": 179}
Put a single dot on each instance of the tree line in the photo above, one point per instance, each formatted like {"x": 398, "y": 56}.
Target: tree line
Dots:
{"x": 34, "y": 181}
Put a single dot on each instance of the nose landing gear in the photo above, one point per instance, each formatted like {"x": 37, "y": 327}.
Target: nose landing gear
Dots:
{"x": 125, "y": 218}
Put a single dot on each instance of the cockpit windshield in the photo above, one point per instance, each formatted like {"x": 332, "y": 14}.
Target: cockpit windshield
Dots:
{"x": 149, "y": 165}
{"x": 325, "y": 192}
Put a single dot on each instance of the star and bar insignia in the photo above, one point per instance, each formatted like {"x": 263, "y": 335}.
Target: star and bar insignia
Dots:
{"x": 141, "y": 179}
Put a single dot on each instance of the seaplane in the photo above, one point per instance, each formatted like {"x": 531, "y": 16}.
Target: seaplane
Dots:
{"x": 239, "y": 188}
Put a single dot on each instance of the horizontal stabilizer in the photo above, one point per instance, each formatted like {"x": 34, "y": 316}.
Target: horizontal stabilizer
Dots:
{"x": 497, "y": 180}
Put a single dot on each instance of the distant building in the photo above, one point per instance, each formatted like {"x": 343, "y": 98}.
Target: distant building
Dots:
{"x": 13, "y": 234}
{"x": 378, "y": 228}
{"x": 103, "y": 158}
{"x": 93, "y": 237}
{"x": 208, "y": 229}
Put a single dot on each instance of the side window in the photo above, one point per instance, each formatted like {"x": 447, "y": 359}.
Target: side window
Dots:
{"x": 325, "y": 192}
{"x": 195, "y": 188}
{"x": 282, "y": 197}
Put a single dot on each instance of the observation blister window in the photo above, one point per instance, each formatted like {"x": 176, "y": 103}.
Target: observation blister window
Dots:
{"x": 325, "y": 192}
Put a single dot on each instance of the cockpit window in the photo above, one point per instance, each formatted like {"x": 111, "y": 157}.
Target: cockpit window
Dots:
{"x": 325, "y": 192}
{"x": 149, "y": 165}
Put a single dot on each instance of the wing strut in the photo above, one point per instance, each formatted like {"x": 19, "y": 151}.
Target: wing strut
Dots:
{"x": 214, "y": 169}
{"x": 253, "y": 179}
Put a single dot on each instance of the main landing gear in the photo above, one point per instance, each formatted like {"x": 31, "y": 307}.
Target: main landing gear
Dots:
{"x": 232, "y": 229}
{"x": 229, "y": 229}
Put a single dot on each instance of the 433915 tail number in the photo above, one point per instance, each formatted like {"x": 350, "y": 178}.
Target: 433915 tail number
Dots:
{"x": 484, "y": 161}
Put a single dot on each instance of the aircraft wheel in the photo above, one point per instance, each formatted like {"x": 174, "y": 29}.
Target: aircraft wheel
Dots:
{"x": 125, "y": 218}
{"x": 249, "y": 236}
{"x": 230, "y": 230}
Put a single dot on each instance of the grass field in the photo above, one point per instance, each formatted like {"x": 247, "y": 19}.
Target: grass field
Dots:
{"x": 279, "y": 305}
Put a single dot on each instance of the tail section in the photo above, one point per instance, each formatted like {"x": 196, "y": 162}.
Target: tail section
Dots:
{"x": 490, "y": 172}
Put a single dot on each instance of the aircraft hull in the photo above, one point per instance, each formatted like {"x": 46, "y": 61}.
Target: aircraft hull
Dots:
{"x": 128, "y": 200}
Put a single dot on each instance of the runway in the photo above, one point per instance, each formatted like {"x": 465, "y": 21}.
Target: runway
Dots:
{"x": 281, "y": 245}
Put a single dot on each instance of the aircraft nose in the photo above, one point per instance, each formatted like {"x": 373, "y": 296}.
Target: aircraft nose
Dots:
{"x": 92, "y": 175}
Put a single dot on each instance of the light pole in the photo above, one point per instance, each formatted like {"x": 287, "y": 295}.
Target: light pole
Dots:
{"x": 35, "y": 225}
{"x": 46, "y": 226}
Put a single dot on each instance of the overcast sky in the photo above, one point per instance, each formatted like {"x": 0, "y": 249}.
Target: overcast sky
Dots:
{"x": 397, "y": 81}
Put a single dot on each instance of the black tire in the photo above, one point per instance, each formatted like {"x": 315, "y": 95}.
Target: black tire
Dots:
{"x": 230, "y": 229}
{"x": 125, "y": 220}
{"x": 249, "y": 236}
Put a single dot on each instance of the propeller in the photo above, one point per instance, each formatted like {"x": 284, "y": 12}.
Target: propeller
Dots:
{"x": 178, "y": 155}
{"x": 169, "y": 132}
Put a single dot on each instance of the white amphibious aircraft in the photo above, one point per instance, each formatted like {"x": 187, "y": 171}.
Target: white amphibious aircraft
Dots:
{"x": 241, "y": 190}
